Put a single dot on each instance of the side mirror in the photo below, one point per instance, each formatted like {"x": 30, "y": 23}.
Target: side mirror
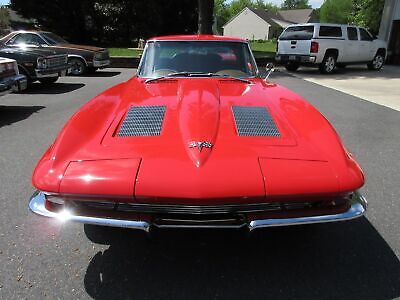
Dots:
{"x": 269, "y": 68}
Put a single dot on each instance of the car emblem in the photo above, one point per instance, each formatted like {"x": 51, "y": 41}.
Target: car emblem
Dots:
{"x": 200, "y": 145}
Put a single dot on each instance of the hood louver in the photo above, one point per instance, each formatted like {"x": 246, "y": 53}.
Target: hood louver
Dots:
{"x": 254, "y": 121}
{"x": 142, "y": 121}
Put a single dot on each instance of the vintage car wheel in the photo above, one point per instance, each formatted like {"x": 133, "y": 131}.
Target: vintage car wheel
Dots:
{"x": 328, "y": 64}
{"x": 78, "y": 66}
{"x": 377, "y": 62}
{"x": 48, "y": 80}
{"x": 292, "y": 67}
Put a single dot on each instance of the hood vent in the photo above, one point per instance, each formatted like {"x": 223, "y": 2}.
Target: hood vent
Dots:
{"x": 254, "y": 121}
{"x": 142, "y": 121}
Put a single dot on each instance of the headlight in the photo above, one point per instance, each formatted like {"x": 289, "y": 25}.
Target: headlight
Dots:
{"x": 41, "y": 63}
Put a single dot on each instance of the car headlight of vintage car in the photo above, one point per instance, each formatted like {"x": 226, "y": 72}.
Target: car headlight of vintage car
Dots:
{"x": 42, "y": 63}
{"x": 98, "y": 56}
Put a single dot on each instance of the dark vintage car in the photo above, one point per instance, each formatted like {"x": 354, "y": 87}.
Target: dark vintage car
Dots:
{"x": 82, "y": 58}
{"x": 10, "y": 79}
{"x": 38, "y": 65}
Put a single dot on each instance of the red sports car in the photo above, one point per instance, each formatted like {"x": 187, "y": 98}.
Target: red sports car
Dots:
{"x": 198, "y": 139}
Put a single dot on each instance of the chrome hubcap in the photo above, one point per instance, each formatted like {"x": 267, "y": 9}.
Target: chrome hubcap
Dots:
{"x": 377, "y": 62}
{"x": 77, "y": 68}
{"x": 330, "y": 64}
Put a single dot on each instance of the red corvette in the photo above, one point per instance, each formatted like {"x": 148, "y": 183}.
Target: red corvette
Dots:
{"x": 198, "y": 139}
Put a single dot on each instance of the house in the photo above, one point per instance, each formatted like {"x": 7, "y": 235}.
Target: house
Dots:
{"x": 390, "y": 29}
{"x": 261, "y": 24}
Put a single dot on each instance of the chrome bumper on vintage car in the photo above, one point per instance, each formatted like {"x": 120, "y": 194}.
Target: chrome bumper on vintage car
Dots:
{"x": 52, "y": 72}
{"x": 357, "y": 208}
{"x": 101, "y": 63}
{"x": 16, "y": 83}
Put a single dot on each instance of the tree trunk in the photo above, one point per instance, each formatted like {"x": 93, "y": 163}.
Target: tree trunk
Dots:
{"x": 206, "y": 16}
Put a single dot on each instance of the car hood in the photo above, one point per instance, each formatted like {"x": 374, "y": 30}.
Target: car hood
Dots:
{"x": 28, "y": 51}
{"x": 80, "y": 47}
{"x": 173, "y": 116}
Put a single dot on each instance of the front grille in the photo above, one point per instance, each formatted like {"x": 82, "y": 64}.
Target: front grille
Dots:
{"x": 254, "y": 121}
{"x": 56, "y": 61}
{"x": 199, "y": 209}
{"x": 142, "y": 121}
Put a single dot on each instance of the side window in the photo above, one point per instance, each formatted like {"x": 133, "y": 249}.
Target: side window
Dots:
{"x": 364, "y": 35}
{"x": 26, "y": 38}
{"x": 352, "y": 33}
{"x": 330, "y": 31}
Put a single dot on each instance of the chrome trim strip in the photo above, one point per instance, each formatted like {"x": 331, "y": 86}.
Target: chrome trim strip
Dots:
{"x": 357, "y": 209}
{"x": 37, "y": 205}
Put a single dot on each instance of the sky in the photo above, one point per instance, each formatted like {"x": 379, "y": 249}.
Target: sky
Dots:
{"x": 3, "y": 2}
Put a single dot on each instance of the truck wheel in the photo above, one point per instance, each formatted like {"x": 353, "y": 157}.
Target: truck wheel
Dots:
{"x": 328, "y": 64}
{"x": 48, "y": 80}
{"x": 78, "y": 66}
{"x": 292, "y": 67}
{"x": 377, "y": 63}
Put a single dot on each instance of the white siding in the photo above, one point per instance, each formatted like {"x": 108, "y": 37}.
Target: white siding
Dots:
{"x": 247, "y": 25}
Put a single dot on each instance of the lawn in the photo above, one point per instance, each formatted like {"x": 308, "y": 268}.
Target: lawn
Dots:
{"x": 263, "y": 49}
{"x": 260, "y": 49}
{"x": 131, "y": 52}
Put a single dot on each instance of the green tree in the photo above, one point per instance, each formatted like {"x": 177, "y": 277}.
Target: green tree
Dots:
{"x": 336, "y": 11}
{"x": 368, "y": 13}
{"x": 295, "y": 4}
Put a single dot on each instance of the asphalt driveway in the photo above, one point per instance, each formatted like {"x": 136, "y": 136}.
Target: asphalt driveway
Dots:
{"x": 41, "y": 259}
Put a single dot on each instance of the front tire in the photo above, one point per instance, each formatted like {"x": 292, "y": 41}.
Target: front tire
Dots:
{"x": 48, "y": 80}
{"x": 292, "y": 67}
{"x": 78, "y": 66}
{"x": 377, "y": 63}
{"x": 328, "y": 64}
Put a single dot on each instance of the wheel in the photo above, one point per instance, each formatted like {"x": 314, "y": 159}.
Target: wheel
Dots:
{"x": 328, "y": 64}
{"x": 377, "y": 63}
{"x": 78, "y": 66}
{"x": 292, "y": 67}
{"x": 48, "y": 80}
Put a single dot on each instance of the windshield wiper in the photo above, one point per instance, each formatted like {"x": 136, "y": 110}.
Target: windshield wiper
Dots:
{"x": 197, "y": 74}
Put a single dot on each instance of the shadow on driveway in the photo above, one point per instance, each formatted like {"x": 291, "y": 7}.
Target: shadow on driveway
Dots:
{"x": 50, "y": 89}
{"x": 101, "y": 74}
{"x": 338, "y": 261}
{"x": 12, "y": 114}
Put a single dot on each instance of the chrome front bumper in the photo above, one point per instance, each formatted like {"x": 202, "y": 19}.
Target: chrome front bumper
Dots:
{"x": 16, "y": 83}
{"x": 101, "y": 63}
{"x": 358, "y": 207}
{"x": 52, "y": 72}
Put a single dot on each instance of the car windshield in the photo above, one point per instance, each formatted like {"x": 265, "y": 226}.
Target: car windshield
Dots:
{"x": 163, "y": 58}
{"x": 53, "y": 39}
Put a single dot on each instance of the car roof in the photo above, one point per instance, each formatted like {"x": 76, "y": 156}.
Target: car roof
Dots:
{"x": 322, "y": 24}
{"x": 197, "y": 37}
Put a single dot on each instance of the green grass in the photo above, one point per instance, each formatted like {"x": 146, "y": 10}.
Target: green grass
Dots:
{"x": 263, "y": 49}
{"x": 125, "y": 52}
{"x": 260, "y": 49}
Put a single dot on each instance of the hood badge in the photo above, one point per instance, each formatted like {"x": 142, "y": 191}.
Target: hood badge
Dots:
{"x": 200, "y": 145}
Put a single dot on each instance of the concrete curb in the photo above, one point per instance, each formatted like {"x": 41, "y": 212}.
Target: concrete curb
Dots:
{"x": 133, "y": 62}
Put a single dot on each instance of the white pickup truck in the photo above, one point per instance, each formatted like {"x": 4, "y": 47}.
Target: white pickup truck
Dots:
{"x": 329, "y": 46}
